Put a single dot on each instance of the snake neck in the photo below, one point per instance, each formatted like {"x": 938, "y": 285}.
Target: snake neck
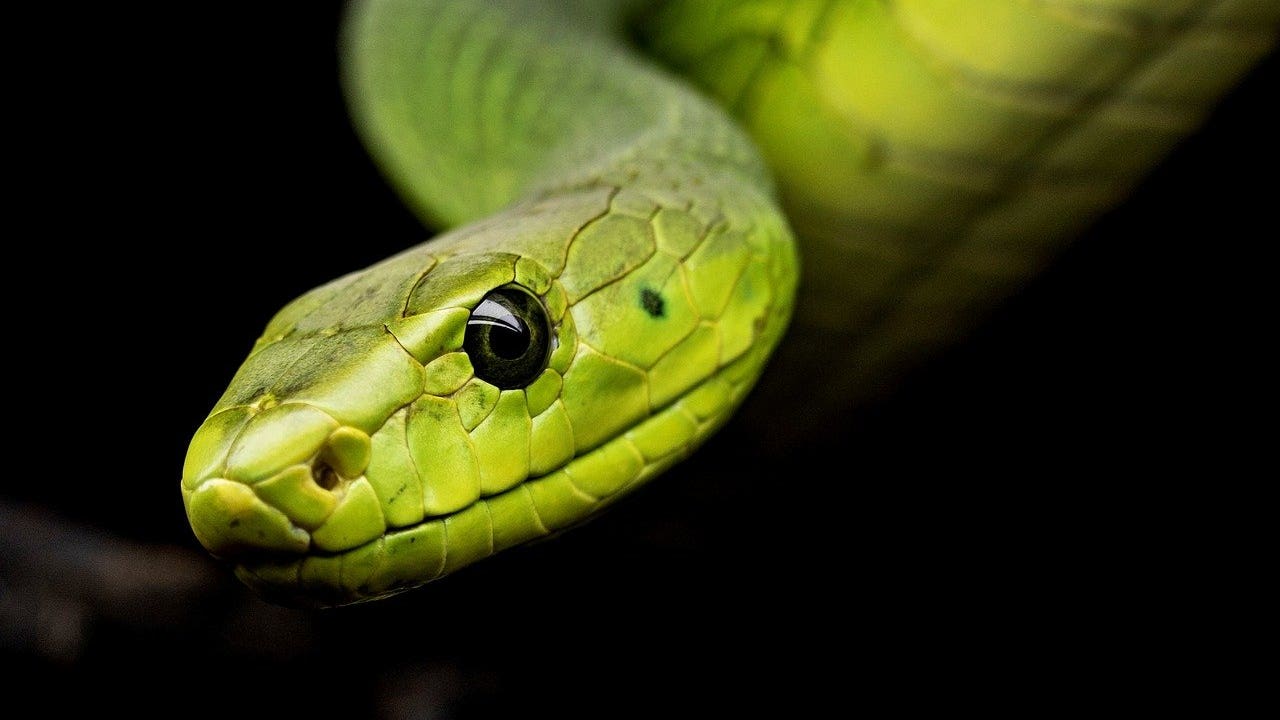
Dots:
{"x": 473, "y": 106}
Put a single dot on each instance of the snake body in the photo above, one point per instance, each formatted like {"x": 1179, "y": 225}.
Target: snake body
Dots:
{"x": 620, "y": 261}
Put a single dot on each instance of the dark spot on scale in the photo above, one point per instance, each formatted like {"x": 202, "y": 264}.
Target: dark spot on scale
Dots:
{"x": 652, "y": 302}
{"x": 413, "y": 540}
{"x": 234, "y": 523}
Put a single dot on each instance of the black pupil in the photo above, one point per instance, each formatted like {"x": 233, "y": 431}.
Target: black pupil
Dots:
{"x": 508, "y": 337}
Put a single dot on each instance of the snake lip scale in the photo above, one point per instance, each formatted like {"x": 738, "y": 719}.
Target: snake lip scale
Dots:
{"x": 263, "y": 569}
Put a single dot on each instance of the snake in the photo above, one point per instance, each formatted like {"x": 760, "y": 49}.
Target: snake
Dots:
{"x": 641, "y": 208}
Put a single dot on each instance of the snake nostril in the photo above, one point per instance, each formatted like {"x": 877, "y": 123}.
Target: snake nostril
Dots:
{"x": 324, "y": 475}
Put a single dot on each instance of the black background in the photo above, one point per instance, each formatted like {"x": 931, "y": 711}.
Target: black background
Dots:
{"x": 1025, "y": 510}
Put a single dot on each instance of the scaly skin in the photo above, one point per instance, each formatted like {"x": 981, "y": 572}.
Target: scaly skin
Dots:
{"x": 939, "y": 152}
{"x": 355, "y": 454}
{"x": 931, "y": 154}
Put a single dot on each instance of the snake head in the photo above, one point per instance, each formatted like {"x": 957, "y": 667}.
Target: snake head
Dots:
{"x": 499, "y": 384}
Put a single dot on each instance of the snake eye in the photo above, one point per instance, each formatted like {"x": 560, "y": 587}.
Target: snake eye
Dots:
{"x": 508, "y": 337}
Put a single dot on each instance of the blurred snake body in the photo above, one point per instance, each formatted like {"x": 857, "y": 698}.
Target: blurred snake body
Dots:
{"x": 621, "y": 254}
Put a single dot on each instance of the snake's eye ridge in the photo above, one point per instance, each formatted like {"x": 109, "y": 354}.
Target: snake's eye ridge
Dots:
{"x": 508, "y": 337}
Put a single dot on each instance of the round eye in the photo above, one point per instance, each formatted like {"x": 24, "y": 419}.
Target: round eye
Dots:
{"x": 508, "y": 337}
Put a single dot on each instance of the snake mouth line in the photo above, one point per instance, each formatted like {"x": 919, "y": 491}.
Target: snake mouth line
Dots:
{"x": 407, "y": 556}
{"x": 429, "y": 549}
{"x": 313, "y": 551}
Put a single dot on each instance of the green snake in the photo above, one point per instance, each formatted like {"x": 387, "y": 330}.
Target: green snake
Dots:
{"x": 626, "y": 190}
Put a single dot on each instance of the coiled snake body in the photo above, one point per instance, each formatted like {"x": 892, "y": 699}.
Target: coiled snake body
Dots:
{"x": 621, "y": 258}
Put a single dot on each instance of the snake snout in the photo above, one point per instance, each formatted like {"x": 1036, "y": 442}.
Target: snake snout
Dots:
{"x": 290, "y": 478}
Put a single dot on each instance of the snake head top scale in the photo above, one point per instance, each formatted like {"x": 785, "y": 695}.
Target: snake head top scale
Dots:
{"x": 494, "y": 386}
